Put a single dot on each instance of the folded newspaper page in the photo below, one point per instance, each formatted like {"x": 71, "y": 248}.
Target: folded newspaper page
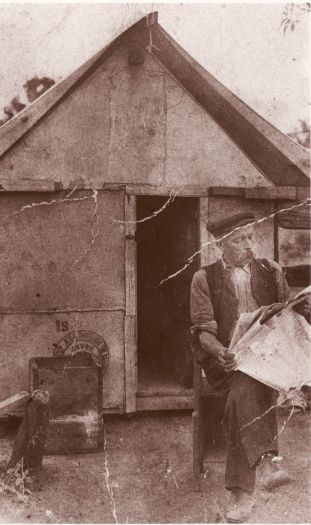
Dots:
{"x": 278, "y": 351}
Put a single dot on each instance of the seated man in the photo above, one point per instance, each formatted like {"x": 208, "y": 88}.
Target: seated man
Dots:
{"x": 220, "y": 292}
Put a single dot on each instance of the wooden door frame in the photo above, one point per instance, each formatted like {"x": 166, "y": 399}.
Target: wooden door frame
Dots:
{"x": 130, "y": 321}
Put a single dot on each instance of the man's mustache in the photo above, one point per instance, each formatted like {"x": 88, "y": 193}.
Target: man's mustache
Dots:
{"x": 247, "y": 254}
{"x": 249, "y": 251}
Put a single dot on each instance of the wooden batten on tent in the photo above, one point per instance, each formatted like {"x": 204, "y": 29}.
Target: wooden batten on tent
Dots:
{"x": 107, "y": 181}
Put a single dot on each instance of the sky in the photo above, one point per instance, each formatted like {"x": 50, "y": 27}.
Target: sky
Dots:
{"x": 240, "y": 44}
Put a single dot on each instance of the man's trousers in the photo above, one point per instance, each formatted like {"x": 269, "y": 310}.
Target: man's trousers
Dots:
{"x": 250, "y": 423}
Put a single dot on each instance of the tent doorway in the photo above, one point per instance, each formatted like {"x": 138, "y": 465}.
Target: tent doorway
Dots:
{"x": 163, "y": 245}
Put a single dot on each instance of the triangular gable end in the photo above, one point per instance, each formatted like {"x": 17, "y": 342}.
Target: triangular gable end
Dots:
{"x": 282, "y": 161}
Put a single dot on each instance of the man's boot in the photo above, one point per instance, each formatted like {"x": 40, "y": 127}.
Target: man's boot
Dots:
{"x": 241, "y": 506}
{"x": 270, "y": 474}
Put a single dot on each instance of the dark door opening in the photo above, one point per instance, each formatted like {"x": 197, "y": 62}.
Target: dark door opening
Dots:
{"x": 163, "y": 319}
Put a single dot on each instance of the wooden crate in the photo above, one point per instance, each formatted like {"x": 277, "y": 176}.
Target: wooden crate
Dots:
{"x": 75, "y": 386}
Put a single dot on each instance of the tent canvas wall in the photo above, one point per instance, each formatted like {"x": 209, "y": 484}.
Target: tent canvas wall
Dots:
{"x": 141, "y": 123}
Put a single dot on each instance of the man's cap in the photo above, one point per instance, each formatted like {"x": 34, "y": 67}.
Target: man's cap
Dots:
{"x": 228, "y": 224}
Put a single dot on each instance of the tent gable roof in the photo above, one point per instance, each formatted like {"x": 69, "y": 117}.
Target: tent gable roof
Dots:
{"x": 281, "y": 160}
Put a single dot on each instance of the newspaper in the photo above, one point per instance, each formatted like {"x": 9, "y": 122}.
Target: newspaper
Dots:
{"x": 278, "y": 351}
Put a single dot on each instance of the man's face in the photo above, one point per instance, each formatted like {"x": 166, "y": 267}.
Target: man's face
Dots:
{"x": 237, "y": 247}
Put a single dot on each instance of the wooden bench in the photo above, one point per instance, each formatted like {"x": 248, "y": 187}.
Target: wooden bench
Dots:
{"x": 202, "y": 391}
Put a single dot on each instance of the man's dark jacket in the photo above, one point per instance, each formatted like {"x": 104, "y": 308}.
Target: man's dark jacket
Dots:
{"x": 267, "y": 285}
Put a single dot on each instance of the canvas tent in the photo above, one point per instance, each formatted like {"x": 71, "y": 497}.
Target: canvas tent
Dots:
{"x": 141, "y": 127}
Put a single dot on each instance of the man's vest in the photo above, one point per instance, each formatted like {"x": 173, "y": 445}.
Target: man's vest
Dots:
{"x": 224, "y": 300}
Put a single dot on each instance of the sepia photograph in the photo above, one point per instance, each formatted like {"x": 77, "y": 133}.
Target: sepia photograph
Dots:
{"x": 155, "y": 289}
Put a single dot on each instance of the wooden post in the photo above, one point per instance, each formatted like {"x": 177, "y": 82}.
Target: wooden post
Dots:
{"x": 30, "y": 439}
{"x": 130, "y": 302}
{"x": 210, "y": 252}
{"x": 197, "y": 428}
{"x": 276, "y": 235}
{"x": 202, "y": 234}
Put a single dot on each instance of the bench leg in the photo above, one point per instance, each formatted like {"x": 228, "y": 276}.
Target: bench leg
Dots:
{"x": 201, "y": 439}
{"x": 197, "y": 457}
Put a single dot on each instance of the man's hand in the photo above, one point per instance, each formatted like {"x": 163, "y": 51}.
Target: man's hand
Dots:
{"x": 270, "y": 311}
{"x": 212, "y": 346}
{"x": 304, "y": 308}
{"x": 227, "y": 360}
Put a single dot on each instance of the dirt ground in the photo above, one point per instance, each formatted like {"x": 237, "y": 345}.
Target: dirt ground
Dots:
{"x": 145, "y": 476}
